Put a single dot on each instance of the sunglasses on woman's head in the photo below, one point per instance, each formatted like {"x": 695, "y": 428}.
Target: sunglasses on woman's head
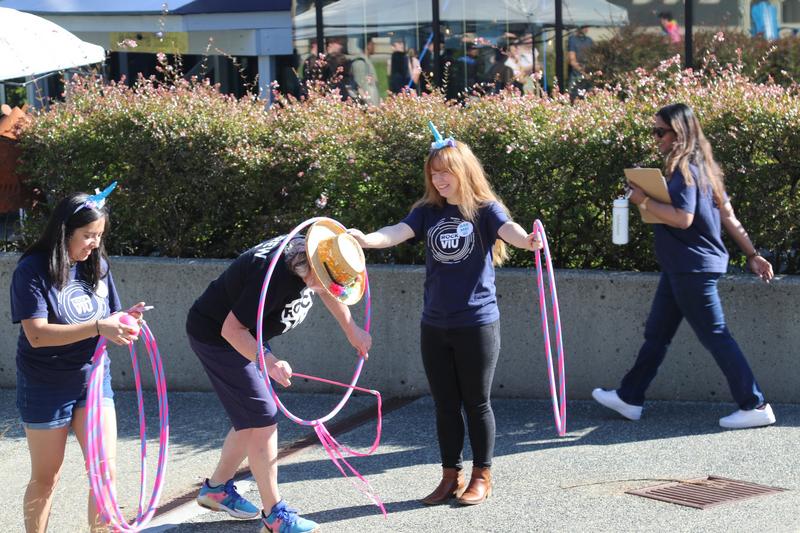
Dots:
{"x": 660, "y": 132}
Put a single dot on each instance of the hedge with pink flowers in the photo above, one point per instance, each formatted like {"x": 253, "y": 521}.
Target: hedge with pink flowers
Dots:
{"x": 205, "y": 175}
{"x": 632, "y": 47}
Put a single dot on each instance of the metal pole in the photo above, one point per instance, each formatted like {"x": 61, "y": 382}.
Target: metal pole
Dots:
{"x": 559, "y": 46}
{"x": 320, "y": 28}
{"x": 544, "y": 60}
{"x": 266, "y": 73}
{"x": 688, "y": 15}
{"x": 437, "y": 39}
{"x": 30, "y": 93}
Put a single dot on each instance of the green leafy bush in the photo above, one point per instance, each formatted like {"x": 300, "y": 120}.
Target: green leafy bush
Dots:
{"x": 205, "y": 175}
{"x": 631, "y": 48}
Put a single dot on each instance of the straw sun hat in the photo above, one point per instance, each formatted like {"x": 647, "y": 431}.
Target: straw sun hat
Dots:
{"x": 337, "y": 260}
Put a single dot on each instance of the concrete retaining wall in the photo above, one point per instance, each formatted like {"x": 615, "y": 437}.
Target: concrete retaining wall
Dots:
{"x": 602, "y": 316}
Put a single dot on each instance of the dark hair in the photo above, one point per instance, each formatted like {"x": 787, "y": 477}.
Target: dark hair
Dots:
{"x": 53, "y": 242}
{"x": 665, "y": 15}
{"x": 295, "y": 257}
{"x": 692, "y": 147}
{"x": 337, "y": 40}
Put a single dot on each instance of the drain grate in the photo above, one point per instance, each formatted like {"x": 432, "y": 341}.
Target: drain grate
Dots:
{"x": 703, "y": 493}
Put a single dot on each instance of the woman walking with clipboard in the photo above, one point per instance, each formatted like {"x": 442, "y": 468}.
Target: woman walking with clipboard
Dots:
{"x": 689, "y": 248}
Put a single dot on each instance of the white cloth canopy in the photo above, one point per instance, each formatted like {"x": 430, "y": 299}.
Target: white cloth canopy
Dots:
{"x": 573, "y": 12}
{"x": 356, "y": 16}
{"x": 31, "y": 45}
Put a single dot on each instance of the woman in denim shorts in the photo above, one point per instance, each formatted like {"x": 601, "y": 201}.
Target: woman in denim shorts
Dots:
{"x": 63, "y": 295}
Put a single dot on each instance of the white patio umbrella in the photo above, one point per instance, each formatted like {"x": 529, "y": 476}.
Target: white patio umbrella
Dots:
{"x": 347, "y": 17}
{"x": 31, "y": 45}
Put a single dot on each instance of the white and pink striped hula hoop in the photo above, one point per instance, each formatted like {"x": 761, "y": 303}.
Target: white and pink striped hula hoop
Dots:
{"x": 559, "y": 398}
{"x": 334, "y": 450}
{"x": 102, "y": 487}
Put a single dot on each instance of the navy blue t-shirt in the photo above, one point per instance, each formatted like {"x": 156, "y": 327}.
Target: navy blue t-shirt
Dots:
{"x": 580, "y": 44}
{"x": 698, "y": 248}
{"x": 238, "y": 289}
{"x": 459, "y": 278}
{"x": 34, "y": 296}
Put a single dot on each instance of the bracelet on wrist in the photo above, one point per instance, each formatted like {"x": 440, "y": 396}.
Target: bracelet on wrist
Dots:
{"x": 643, "y": 203}
{"x": 754, "y": 254}
{"x": 267, "y": 352}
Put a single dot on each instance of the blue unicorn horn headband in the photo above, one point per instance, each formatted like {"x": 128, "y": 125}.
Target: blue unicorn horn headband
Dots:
{"x": 439, "y": 142}
{"x": 98, "y": 199}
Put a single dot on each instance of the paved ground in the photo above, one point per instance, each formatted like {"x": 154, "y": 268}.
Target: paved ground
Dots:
{"x": 543, "y": 482}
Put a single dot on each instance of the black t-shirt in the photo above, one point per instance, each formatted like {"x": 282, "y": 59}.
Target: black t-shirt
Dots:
{"x": 239, "y": 288}
{"x": 400, "y": 73}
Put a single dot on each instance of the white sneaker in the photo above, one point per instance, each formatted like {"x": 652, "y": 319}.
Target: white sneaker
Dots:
{"x": 611, "y": 399}
{"x": 751, "y": 418}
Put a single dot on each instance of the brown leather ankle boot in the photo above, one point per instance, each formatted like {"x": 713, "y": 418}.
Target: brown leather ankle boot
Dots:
{"x": 451, "y": 485}
{"x": 479, "y": 488}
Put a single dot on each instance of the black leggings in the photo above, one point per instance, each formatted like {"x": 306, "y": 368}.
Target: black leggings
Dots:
{"x": 459, "y": 364}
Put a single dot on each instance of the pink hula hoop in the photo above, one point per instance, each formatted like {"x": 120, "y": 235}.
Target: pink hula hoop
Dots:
{"x": 334, "y": 450}
{"x": 103, "y": 489}
{"x": 559, "y": 399}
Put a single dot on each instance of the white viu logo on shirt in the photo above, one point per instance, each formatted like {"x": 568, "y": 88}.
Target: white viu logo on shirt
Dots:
{"x": 450, "y": 241}
{"x": 82, "y": 304}
{"x": 77, "y": 303}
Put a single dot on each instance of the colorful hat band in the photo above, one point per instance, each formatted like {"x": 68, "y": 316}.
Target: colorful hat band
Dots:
{"x": 336, "y": 267}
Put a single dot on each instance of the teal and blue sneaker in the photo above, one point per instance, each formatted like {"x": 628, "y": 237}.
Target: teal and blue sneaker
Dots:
{"x": 225, "y": 498}
{"x": 284, "y": 519}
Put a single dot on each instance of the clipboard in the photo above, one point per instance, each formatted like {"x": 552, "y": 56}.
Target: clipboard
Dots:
{"x": 653, "y": 184}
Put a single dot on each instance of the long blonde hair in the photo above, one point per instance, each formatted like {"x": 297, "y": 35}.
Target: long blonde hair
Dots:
{"x": 691, "y": 146}
{"x": 474, "y": 190}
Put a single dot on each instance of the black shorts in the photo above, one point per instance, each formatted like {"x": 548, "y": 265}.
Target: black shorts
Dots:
{"x": 238, "y": 384}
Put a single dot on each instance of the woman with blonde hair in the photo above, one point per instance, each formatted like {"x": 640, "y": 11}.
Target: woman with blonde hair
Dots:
{"x": 689, "y": 247}
{"x": 465, "y": 227}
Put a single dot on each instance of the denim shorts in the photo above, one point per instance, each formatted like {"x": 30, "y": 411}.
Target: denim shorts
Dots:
{"x": 50, "y": 406}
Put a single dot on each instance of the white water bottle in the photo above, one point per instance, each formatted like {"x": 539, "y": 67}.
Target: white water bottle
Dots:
{"x": 619, "y": 221}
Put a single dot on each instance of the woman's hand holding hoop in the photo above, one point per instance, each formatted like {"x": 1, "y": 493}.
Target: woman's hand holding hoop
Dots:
{"x": 137, "y": 310}
{"x": 115, "y": 331}
{"x": 534, "y": 241}
{"x": 361, "y": 341}
{"x": 279, "y": 370}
